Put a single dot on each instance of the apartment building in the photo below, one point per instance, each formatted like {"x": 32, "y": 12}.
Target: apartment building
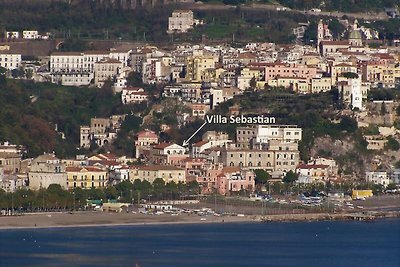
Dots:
{"x": 46, "y": 170}
{"x": 10, "y": 60}
{"x": 106, "y": 69}
{"x": 180, "y": 21}
{"x": 151, "y": 172}
{"x": 86, "y": 177}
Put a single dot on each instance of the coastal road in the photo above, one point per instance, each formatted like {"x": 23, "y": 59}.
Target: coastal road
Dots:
{"x": 366, "y": 16}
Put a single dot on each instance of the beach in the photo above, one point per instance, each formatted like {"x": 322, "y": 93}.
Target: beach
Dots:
{"x": 81, "y": 219}
{"x": 374, "y": 208}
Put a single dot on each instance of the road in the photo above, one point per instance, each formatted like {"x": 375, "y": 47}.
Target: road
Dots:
{"x": 366, "y": 16}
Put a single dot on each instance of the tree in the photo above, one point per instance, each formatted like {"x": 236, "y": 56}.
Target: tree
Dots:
{"x": 3, "y": 71}
{"x": 397, "y": 164}
{"x": 310, "y": 35}
{"x": 29, "y": 73}
{"x": 350, "y": 75}
{"x": 73, "y": 44}
{"x": 383, "y": 109}
{"x": 134, "y": 79}
{"x": 391, "y": 186}
{"x": 336, "y": 28}
{"x": 392, "y": 144}
{"x": 158, "y": 187}
{"x": 262, "y": 177}
{"x": 253, "y": 83}
{"x": 111, "y": 193}
{"x": 290, "y": 177}
{"x": 96, "y": 193}
{"x": 348, "y": 124}
{"x": 193, "y": 187}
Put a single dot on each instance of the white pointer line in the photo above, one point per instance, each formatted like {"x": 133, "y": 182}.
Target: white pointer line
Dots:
{"x": 186, "y": 142}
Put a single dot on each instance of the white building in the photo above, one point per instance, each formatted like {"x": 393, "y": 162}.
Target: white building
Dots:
{"x": 11, "y": 35}
{"x": 395, "y": 176}
{"x": 180, "y": 21}
{"x": 10, "y": 61}
{"x": 380, "y": 178}
{"x": 121, "y": 55}
{"x": 46, "y": 170}
{"x": 353, "y": 91}
{"x": 133, "y": 95}
{"x": 30, "y": 34}
{"x": 285, "y": 133}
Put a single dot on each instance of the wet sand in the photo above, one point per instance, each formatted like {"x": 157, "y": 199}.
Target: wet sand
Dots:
{"x": 81, "y": 219}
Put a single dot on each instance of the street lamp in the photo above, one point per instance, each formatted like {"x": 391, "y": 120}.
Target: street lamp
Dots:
{"x": 73, "y": 195}
{"x": 12, "y": 203}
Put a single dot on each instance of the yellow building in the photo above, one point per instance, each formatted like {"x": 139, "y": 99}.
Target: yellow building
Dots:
{"x": 86, "y": 177}
{"x": 319, "y": 85}
{"x": 199, "y": 66}
{"x": 152, "y": 172}
{"x": 361, "y": 194}
{"x": 299, "y": 85}
{"x": 246, "y": 74}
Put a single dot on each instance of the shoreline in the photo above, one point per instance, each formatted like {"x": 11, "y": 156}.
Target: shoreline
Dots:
{"x": 103, "y": 219}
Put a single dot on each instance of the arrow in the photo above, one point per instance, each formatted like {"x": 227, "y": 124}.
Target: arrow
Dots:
{"x": 186, "y": 142}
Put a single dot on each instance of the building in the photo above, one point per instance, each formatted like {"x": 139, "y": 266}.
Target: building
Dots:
{"x": 317, "y": 172}
{"x": 375, "y": 142}
{"x": 379, "y": 177}
{"x": 10, "y": 162}
{"x": 323, "y": 33}
{"x": 132, "y": 95}
{"x": 30, "y": 34}
{"x": 259, "y": 135}
{"x": 86, "y": 177}
{"x": 143, "y": 142}
{"x": 353, "y": 92}
{"x": 75, "y": 68}
{"x": 167, "y": 154}
{"x": 277, "y": 69}
{"x": 198, "y": 67}
{"x": 270, "y": 160}
{"x": 152, "y": 172}
{"x": 10, "y": 182}
{"x": 11, "y": 35}
{"x": 210, "y": 139}
{"x": 106, "y": 69}
{"x": 102, "y": 131}
{"x": 234, "y": 179}
{"x": 10, "y": 60}
{"x": 46, "y": 170}
{"x": 180, "y": 21}
{"x": 395, "y": 176}
{"x": 329, "y": 47}
{"x": 319, "y": 85}
{"x": 10, "y": 148}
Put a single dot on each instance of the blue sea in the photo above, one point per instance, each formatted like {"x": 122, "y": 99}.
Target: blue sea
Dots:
{"x": 332, "y": 243}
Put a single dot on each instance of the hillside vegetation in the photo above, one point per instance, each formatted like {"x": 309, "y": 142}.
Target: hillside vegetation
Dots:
{"x": 30, "y": 113}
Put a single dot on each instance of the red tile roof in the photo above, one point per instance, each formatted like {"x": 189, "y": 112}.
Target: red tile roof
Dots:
{"x": 201, "y": 143}
{"x": 313, "y": 166}
{"x": 162, "y": 145}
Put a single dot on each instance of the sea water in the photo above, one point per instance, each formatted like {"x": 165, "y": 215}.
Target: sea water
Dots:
{"x": 330, "y": 243}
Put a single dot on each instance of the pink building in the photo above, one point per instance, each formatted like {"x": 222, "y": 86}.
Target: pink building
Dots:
{"x": 234, "y": 179}
{"x": 277, "y": 69}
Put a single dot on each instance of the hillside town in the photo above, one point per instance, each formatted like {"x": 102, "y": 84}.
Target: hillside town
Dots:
{"x": 202, "y": 77}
